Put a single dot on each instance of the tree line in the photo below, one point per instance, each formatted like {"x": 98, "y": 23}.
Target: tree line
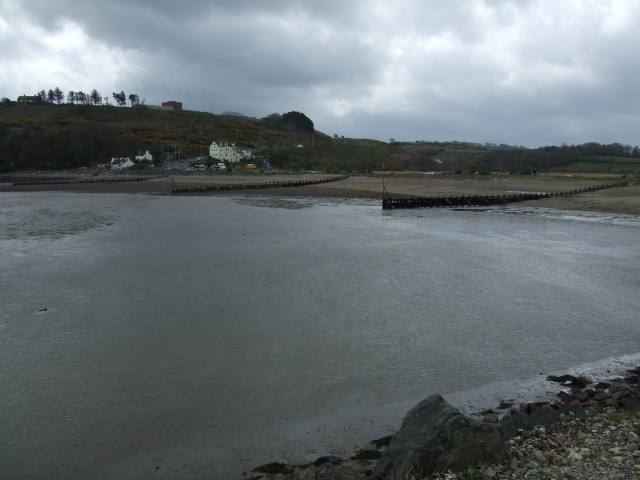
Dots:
{"x": 62, "y": 147}
{"x": 544, "y": 158}
{"x": 291, "y": 122}
{"x": 55, "y": 96}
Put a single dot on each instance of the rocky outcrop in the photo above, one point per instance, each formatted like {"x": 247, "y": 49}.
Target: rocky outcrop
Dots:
{"x": 277, "y": 468}
{"x": 436, "y": 436}
{"x": 534, "y": 415}
{"x": 601, "y": 444}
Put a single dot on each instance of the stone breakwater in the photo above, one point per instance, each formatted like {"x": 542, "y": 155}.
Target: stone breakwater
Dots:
{"x": 591, "y": 431}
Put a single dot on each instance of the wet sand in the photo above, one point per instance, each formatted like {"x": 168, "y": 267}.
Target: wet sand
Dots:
{"x": 106, "y": 187}
{"x": 624, "y": 200}
{"x": 613, "y": 200}
{"x": 427, "y": 186}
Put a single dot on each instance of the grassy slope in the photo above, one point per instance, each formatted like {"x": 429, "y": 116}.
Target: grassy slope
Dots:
{"x": 51, "y": 136}
{"x": 121, "y": 131}
{"x": 602, "y": 164}
{"x": 422, "y": 156}
{"x": 473, "y": 157}
{"x": 190, "y": 128}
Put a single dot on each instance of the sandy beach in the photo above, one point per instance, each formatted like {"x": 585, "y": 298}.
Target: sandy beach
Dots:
{"x": 625, "y": 200}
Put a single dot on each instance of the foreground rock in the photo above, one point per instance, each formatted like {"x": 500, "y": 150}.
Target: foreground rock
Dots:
{"x": 436, "y": 436}
{"x": 589, "y": 432}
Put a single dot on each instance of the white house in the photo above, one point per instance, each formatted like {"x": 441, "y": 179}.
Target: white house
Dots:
{"x": 246, "y": 152}
{"x": 146, "y": 156}
{"x": 229, "y": 152}
{"x": 121, "y": 163}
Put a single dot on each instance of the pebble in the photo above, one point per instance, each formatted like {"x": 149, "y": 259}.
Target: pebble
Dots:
{"x": 598, "y": 446}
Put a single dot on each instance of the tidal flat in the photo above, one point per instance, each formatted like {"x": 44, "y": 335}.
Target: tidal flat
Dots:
{"x": 197, "y": 337}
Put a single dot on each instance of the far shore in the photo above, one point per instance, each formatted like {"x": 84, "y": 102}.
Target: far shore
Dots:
{"x": 619, "y": 200}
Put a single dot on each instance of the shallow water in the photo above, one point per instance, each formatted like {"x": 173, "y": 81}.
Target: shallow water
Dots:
{"x": 194, "y": 337}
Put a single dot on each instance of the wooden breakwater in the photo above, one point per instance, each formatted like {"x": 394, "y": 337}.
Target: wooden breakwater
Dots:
{"x": 483, "y": 200}
{"x": 21, "y": 181}
{"x": 218, "y": 187}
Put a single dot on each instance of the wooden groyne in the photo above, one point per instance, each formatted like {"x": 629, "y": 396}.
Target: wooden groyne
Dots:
{"x": 218, "y": 187}
{"x": 21, "y": 181}
{"x": 483, "y": 200}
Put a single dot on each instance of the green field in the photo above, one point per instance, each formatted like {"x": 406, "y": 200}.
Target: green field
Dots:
{"x": 602, "y": 164}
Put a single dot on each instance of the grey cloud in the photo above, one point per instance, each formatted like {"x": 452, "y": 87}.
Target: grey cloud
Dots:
{"x": 512, "y": 71}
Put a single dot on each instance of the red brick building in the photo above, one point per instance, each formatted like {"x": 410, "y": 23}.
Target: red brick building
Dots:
{"x": 173, "y": 105}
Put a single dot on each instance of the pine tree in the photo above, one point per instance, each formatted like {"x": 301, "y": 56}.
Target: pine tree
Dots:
{"x": 58, "y": 96}
{"x": 96, "y": 98}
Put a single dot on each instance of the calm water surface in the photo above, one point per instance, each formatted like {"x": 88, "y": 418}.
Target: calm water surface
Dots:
{"x": 195, "y": 337}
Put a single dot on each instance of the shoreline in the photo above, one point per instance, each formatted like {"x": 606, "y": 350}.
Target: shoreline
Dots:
{"x": 619, "y": 200}
{"x": 532, "y": 427}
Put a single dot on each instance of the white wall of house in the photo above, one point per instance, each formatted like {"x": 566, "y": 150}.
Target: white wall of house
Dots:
{"x": 126, "y": 163}
{"x": 229, "y": 152}
{"x": 116, "y": 160}
{"x": 246, "y": 153}
{"x": 146, "y": 156}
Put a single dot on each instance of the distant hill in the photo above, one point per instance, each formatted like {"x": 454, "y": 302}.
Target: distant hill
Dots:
{"x": 469, "y": 157}
{"x": 233, "y": 114}
{"x": 68, "y": 136}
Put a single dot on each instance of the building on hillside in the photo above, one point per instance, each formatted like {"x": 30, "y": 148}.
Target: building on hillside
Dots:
{"x": 229, "y": 152}
{"x": 121, "y": 163}
{"x": 146, "y": 156}
{"x": 246, "y": 153}
{"x": 30, "y": 99}
{"x": 173, "y": 105}
{"x": 155, "y": 107}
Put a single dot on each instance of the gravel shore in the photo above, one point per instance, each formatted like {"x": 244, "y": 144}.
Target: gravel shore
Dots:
{"x": 599, "y": 445}
{"x": 590, "y": 432}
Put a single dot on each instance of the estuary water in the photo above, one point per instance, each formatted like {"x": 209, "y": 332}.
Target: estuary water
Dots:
{"x": 197, "y": 337}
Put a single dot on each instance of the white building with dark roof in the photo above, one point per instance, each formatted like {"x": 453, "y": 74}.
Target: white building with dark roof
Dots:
{"x": 121, "y": 163}
{"x": 146, "y": 156}
{"x": 229, "y": 152}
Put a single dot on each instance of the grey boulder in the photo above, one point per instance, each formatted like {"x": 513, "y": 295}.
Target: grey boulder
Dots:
{"x": 435, "y": 436}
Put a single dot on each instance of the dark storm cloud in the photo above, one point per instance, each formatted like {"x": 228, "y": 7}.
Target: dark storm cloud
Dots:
{"x": 528, "y": 71}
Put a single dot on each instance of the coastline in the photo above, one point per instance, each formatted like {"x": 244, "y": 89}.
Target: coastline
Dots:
{"x": 619, "y": 200}
{"x": 151, "y": 200}
{"x": 590, "y": 427}
{"x": 599, "y": 444}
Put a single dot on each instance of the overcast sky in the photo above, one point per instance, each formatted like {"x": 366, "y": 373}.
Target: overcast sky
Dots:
{"x": 527, "y": 72}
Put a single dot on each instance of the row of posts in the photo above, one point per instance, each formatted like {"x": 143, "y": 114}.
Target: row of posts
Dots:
{"x": 482, "y": 200}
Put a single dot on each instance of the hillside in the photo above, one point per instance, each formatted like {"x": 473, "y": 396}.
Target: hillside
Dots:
{"x": 68, "y": 136}
{"x": 469, "y": 157}
{"x": 46, "y": 136}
